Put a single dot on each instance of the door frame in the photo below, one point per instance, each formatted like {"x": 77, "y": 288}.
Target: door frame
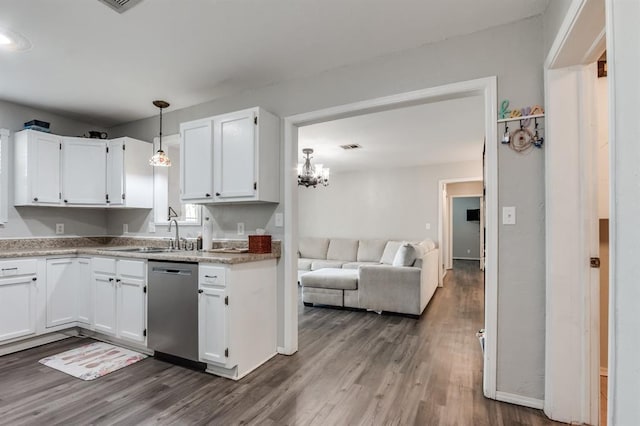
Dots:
{"x": 486, "y": 87}
{"x": 450, "y": 236}
{"x": 572, "y": 383}
{"x": 444, "y": 224}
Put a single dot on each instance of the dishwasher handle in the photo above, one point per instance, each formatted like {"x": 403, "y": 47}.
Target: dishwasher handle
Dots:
{"x": 171, "y": 271}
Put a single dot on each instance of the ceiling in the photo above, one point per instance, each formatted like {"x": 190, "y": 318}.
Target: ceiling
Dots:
{"x": 91, "y": 63}
{"x": 434, "y": 133}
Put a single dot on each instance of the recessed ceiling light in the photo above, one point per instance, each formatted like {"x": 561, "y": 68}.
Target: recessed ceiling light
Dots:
{"x": 12, "y": 41}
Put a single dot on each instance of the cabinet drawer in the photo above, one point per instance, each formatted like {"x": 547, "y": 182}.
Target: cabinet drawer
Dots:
{"x": 103, "y": 265}
{"x": 211, "y": 275}
{"x": 132, "y": 269}
{"x": 18, "y": 267}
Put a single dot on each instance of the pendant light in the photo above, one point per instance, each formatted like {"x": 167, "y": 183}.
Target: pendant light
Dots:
{"x": 160, "y": 159}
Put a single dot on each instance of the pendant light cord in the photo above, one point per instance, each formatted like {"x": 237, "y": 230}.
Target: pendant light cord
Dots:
{"x": 160, "y": 129}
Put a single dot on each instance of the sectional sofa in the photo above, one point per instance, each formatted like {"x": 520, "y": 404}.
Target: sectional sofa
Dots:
{"x": 377, "y": 275}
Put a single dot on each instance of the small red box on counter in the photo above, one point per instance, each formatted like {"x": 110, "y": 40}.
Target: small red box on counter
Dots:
{"x": 259, "y": 243}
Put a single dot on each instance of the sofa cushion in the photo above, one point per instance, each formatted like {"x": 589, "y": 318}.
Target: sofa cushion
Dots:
{"x": 342, "y": 279}
{"x": 390, "y": 251}
{"x": 304, "y": 264}
{"x": 342, "y": 249}
{"x": 370, "y": 250}
{"x": 356, "y": 265}
{"x": 405, "y": 256}
{"x": 321, "y": 264}
{"x": 313, "y": 248}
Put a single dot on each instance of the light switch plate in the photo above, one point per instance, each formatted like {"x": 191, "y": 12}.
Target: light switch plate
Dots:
{"x": 428, "y": 226}
{"x": 59, "y": 228}
{"x": 240, "y": 228}
{"x": 508, "y": 215}
{"x": 279, "y": 220}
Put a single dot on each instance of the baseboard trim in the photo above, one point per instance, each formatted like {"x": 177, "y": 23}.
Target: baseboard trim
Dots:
{"x": 29, "y": 343}
{"x": 604, "y": 371}
{"x": 525, "y": 401}
{"x": 285, "y": 351}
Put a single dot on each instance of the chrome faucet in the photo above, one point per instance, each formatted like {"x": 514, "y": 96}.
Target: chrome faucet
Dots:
{"x": 176, "y": 243}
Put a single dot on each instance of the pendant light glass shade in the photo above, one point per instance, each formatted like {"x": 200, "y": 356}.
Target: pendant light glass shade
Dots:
{"x": 160, "y": 158}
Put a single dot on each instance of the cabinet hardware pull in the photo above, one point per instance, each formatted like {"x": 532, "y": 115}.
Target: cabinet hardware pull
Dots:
{"x": 66, "y": 201}
{"x": 10, "y": 269}
{"x": 207, "y": 195}
{"x": 34, "y": 279}
{"x": 110, "y": 279}
{"x": 200, "y": 291}
{"x": 217, "y": 194}
{"x": 211, "y": 276}
{"x": 117, "y": 280}
{"x": 35, "y": 199}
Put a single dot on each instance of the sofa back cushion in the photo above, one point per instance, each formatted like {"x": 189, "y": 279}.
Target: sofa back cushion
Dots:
{"x": 389, "y": 252}
{"x": 371, "y": 250}
{"x": 313, "y": 248}
{"x": 405, "y": 256}
{"x": 342, "y": 249}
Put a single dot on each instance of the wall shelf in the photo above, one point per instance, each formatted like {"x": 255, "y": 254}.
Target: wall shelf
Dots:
{"x": 524, "y": 117}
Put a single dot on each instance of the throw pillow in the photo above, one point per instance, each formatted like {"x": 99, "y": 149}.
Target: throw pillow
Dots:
{"x": 405, "y": 256}
{"x": 390, "y": 251}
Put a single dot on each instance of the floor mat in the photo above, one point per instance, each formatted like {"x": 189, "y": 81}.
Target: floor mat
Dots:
{"x": 92, "y": 361}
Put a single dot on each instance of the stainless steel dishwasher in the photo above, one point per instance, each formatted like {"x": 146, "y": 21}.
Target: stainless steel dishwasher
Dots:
{"x": 173, "y": 311}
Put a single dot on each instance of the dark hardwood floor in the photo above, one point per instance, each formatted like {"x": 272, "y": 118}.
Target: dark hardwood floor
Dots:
{"x": 352, "y": 368}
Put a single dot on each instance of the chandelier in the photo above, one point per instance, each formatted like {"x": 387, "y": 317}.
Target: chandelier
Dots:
{"x": 309, "y": 175}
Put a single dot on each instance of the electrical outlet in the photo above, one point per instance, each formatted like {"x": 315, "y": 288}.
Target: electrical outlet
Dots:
{"x": 428, "y": 226}
{"x": 240, "y": 228}
{"x": 508, "y": 215}
{"x": 279, "y": 220}
{"x": 125, "y": 228}
{"x": 59, "y": 228}
{"x": 468, "y": 251}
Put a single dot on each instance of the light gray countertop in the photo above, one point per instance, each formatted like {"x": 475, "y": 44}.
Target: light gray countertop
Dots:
{"x": 175, "y": 256}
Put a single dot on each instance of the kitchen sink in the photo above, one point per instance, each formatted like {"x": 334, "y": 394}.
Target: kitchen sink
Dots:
{"x": 142, "y": 249}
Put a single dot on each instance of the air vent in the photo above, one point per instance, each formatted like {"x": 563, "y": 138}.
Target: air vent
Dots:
{"x": 351, "y": 146}
{"x": 120, "y": 6}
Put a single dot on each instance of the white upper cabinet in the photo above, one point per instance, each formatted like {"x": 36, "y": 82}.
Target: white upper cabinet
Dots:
{"x": 37, "y": 168}
{"x": 67, "y": 171}
{"x": 244, "y": 161}
{"x": 196, "y": 161}
{"x": 84, "y": 171}
{"x": 234, "y": 155}
{"x": 129, "y": 175}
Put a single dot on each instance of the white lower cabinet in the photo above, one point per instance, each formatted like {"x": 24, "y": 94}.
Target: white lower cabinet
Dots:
{"x": 18, "y": 297}
{"x": 212, "y": 330}
{"x": 62, "y": 291}
{"x": 237, "y": 316}
{"x": 84, "y": 291}
{"x": 120, "y": 298}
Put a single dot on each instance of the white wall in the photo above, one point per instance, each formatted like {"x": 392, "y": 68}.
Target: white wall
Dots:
{"x": 466, "y": 235}
{"x": 513, "y": 53}
{"x": 384, "y": 204}
{"x": 552, "y": 20}
{"x": 41, "y": 221}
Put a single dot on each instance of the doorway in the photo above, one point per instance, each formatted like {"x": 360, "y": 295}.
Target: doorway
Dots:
{"x": 487, "y": 88}
{"x": 576, "y": 210}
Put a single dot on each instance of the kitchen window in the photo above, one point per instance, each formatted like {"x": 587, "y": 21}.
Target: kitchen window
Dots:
{"x": 4, "y": 176}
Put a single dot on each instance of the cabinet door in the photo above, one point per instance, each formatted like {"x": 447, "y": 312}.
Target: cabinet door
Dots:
{"x": 17, "y": 307}
{"x": 131, "y": 306}
{"x": 212, "y": 325}
{"x": 62, "y": 285}
{"x": 84, "y": 171}
{"x": 196, "y": 161}
{"x": 85, "y": 291}
{"x": 45, "y": 168}
{"x": 104, "y": 306}
{"x": 115, "y": 172}
{"x": 234, "y": 155}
